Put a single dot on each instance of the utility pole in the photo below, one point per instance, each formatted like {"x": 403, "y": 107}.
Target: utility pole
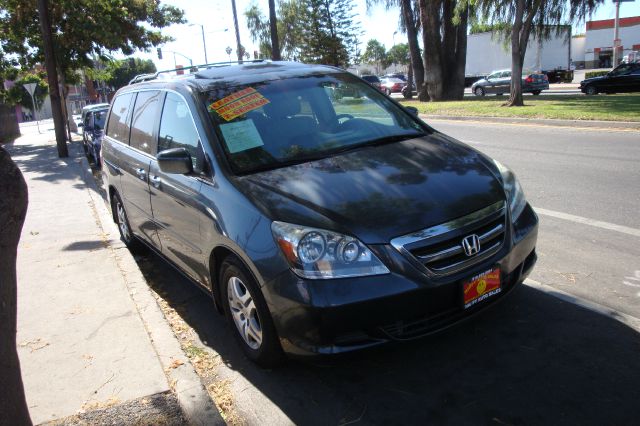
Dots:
{"x": 616, "y": 38}
{"x": 239, "y": 49}
{"x": 52, "y": 77}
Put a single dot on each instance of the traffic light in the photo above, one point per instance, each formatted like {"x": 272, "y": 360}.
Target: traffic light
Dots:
{"x": 159, "y": 53}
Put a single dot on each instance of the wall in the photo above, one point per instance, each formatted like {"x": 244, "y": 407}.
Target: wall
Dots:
{"x": 599, "y": 38}
{"x": 577, "y": 50}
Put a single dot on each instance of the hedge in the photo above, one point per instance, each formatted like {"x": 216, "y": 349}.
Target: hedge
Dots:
{"x": 592, "y": 74}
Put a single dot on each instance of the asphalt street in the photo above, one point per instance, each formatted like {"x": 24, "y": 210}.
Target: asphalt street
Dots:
{"x": 531, "y": 359}
{"x": 585, "y": 186}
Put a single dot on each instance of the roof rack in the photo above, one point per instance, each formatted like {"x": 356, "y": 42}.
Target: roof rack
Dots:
{"x": 192, "y": 69}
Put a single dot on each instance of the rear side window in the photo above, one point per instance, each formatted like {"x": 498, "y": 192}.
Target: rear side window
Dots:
{"x": 118, "y": 127}
{"x": 145, "y": 114}
{"x": 176, "y": 127}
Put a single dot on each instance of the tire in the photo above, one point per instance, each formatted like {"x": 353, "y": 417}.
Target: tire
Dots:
{"x": 120, "y": 214}
{"x": 498, "y": 94}
{"x": 248, "y": 314}
{"x": 478, "y": 91}
{"x": 591, "y": 90}
{"x": 536, "y": 92}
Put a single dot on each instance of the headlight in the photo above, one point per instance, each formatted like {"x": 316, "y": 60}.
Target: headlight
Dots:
{"x": 515, "y": 194}
{"x": 320, "y": 254}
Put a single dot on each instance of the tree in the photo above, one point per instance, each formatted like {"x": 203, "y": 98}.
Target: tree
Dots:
{"x": 399, "y": 54}
{"x": 80, "y": 30}
{"x": 519, "y": 19}
{"x": 444, "y": 37}
{"x": 19, "y": 95}
{"x": 313, "y": 31}
{"x": 13, "y": 209}
{"x": 409, "y": 24}
{"x": 120, "y": 72}
{"x": 375, "y": 53}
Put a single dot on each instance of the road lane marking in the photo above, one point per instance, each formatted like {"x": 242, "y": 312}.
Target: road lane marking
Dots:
{"x": 626, "y": 319}
{"x": 591, "y": 222}
{"x": 428, "y": 119}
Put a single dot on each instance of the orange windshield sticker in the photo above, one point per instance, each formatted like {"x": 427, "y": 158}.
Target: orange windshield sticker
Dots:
{"x": 232, "y": 97}
{"x": 238, "y": 103}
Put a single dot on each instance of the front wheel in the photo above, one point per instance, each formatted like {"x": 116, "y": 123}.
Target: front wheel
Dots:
{"x": 479, "y": 91}
{"x": 536, "y": 92}
{"x": 120, "y": 215}
{"x": 246, "y": 309}
{"x": 591, "y": 90}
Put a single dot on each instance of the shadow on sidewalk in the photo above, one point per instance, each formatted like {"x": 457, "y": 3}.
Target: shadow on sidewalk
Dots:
{"x": 532, "y": 359}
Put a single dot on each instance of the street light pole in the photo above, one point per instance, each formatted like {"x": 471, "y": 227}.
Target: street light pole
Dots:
{"x": 204, "y": 45}
{"x": 616, "y": 39}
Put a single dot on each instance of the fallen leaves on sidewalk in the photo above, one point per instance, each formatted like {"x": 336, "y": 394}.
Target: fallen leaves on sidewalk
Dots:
{"x": 34, "y": 345}
{"x": 175, "y": 364}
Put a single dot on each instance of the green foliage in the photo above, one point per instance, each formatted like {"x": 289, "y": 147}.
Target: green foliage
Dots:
{"x": 375, "y": 53}
{"x": 18, "y": 94}
{"x": 313, "y": 31}
{"x": 83, "y": 29}
{"x": 592, "y": 74}
{"x": 119, "y": 73}
{"x": 399, "y": 54}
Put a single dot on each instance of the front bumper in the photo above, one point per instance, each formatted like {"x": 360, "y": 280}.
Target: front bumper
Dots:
{"x": 341, "y": 315}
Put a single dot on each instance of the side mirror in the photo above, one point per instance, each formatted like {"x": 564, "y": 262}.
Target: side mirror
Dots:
{"x": 412, "y": 110}
{"x": 175, "y": 160}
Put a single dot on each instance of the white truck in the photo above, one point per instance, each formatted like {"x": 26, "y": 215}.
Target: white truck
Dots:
{"x": 487, "y": 52}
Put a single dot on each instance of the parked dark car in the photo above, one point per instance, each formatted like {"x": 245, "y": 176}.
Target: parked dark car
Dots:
{"x": 499, "y": 82}
{"x": 373, "y": 80}
{"x": 83, "y": 118}
{"x": 318, "y": 226}
{"x": 622, "y": 79}
{"x": 93, "y": 132}
{"x": 392, "y": 85}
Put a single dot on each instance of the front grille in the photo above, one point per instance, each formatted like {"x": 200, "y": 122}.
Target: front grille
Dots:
{"x": 439, "y": 249}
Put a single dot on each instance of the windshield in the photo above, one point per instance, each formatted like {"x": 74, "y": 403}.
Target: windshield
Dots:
{"x": 276, "y": 123}
{"x": 99, "y": 117}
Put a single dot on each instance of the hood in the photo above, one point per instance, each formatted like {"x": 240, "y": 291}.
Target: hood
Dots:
{"x": 377, "y": 193}
{"x": 592, "y": 79}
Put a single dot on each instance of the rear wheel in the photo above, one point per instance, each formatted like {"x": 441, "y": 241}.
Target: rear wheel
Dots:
{"x": 246, "y": 309}
{"x": 479, "y": 91}
{"x": 591, "y": 90}
{"x": 536, "y": 92}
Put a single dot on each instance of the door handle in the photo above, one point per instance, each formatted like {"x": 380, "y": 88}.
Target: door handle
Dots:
{"x": 156, "y": 181}
{"x": 142, "y": 174}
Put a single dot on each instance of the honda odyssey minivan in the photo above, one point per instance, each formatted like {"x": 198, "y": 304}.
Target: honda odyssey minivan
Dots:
{"x": 318, "y": 224}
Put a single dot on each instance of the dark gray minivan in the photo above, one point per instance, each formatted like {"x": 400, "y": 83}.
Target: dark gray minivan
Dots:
{"x": 318, "y": 224}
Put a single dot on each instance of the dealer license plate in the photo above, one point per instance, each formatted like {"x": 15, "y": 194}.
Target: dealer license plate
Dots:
{"x": 481, "y": 287}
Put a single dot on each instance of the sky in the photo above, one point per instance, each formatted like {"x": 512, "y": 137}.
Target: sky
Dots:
{"x": 216, "y": 16}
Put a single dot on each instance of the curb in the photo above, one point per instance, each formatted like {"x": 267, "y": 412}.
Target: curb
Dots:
{"x": 587, "y": 124}
{"x": 197, "y": 406}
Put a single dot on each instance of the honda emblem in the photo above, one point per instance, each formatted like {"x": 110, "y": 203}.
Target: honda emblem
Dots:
{"x": 471, "y": 245}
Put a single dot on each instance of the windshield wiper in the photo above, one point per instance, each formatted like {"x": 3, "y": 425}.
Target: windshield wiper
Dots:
{"x": 377, "y": 142}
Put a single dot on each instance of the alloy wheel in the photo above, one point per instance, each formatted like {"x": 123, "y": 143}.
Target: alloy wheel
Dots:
{"x": 244, "y": 312}
{"x": 122, "y": 222}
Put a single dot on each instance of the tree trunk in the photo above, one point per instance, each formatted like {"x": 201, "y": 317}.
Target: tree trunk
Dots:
{"x": 430, "y": 18}
{"x": 519, "y": 39}
{"x": 412, "y": 39}
{"x": 275, "y": 42}
{"x": 445, "y": 49}
{"x": 13, "y": 208}
{"x": 52, "y": 77}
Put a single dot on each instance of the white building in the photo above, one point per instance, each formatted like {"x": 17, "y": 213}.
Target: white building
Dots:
{"x": 598, "y": 44}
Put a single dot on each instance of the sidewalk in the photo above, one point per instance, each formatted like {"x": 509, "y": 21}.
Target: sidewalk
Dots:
{"x": 90, "y": 334}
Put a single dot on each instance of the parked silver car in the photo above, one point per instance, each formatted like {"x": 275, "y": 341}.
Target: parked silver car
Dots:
{"x": 499, "y": 82}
